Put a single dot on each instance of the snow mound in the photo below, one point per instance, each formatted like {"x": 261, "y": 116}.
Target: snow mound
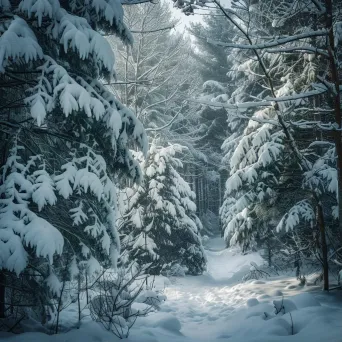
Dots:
{"x": 151, "y": 298}
{"x": 304, "y": 300}
{"x": 232, "y": 271}
{"x": 284, "y": 306}
{"x": 252, "y": 302}
{"x": 276, "y": 293}
{"x": 162, "y": 320}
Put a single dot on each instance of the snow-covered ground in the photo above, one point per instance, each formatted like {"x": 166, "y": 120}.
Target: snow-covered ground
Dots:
{"x": 218, "y": 307}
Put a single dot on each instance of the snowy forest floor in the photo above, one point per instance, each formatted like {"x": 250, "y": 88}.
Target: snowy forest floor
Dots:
{"x": 217, "y": 306}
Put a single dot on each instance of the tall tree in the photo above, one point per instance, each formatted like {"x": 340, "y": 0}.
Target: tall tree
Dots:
{"x": 300, "y": 98}
{"x": 64, "y": 137}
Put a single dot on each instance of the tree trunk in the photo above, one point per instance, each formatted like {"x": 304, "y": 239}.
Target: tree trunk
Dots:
{"x": 87, "y": 293}
{"x": 59, "y": 308}
{"x": 79, "y": 298}
{"x": 336, "y": 102}
{"x": 321, "y": 224}
{"x": 2, "y": 294}
{"x": 219, "y": 193}
{"x": 197, "y": 192}
{"x": 269, "y": 246}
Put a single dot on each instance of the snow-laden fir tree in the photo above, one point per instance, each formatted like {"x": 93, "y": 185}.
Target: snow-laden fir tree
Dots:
{"x": 211, "y": 65}
{"x": 288, "y": 72}
{"x": 255, "y": 170}
{"x": 256, "y": 151}
{"x": 160, "y": 226}
{"x": 63, "y": 138}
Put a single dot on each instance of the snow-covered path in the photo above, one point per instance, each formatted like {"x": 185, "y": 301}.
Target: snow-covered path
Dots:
{"x": 205, "y": 300}
{"x": 218, "y": 307}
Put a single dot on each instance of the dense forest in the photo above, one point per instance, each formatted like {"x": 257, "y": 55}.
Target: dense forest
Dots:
{"x": 141, "y": 160}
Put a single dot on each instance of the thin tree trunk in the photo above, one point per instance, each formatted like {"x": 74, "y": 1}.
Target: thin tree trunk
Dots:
{"x": 269, "y": 246}
{"x": 2, "y": 294}
{"x": 321, "y": 224}
{"x": 87, "y": 293}
{"x": 219, "y": 193}
{"x": 126, "y": 76}
{"x": 59, "y": 308}
{"x": 79, "y": 298}
{"x": 202, "y": 196}
{"x": 197, "y": 191}
{"x": 336, "y": 102}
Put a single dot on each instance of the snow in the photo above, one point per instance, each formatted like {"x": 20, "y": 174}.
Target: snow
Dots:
{"x": 217, "y": 306}
{"x": 18, "y": 41}
{"x": 162, "y": 320}
{"x": 301, "y": 211}
{"x": 252, "y": 302}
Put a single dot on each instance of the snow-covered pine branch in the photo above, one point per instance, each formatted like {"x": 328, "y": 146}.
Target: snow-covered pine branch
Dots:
{"x": 275, "y": 42}
{"x": 66, "y": 138}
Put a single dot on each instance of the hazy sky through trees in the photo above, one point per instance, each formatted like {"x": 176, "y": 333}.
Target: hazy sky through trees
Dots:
{"x": 185, "y": 20}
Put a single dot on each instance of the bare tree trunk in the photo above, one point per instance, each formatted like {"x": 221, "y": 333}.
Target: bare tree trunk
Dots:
{"x": 79, "y": 298}
{"x": 126, "y": 76}
{"x": 2, "y": 294}
{"x": 59, "y": 308}
{"x": 321, "y": 224}
{"x": 219, "y": 192}
{"x": 336, "y": 102}
{"x": 202, "y": 197}
{"x": 269, "y": 246}
{"x": 197, "y": 191}
{"x": 87, "y": 292}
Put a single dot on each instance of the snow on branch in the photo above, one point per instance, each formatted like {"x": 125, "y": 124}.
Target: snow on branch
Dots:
{"x": 267, "y": 102}
{"x": 276, "y": 42}
{"x": 18, "y": 41}
{"x": 134, "y": 2}
{"x": 304, "y": 48}
{"x": 302, "y": 211}
{"x": 20, "y": 227}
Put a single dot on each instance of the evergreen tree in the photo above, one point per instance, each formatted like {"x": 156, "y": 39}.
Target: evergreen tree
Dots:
{"x": 161, "y": 227}
{"x": 64, "y": 138}
{"x": 290, "y": 77}
{"x": 212, "y": 64}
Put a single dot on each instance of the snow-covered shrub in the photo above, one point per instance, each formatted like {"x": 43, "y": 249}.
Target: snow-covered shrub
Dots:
{"x": 115, "y": 295}
{"x": 28, "y": 303}
{"x": 205, "y": 238}
{"x": 151, "y": 297}
{"x": 160, "y": 225}
{"x": 255, "y": 272}
{"x": 174, "y": 270}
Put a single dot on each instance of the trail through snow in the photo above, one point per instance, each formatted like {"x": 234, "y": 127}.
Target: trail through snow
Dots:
{"x": 205, "y": 300}
{"x": 217, "y": 306}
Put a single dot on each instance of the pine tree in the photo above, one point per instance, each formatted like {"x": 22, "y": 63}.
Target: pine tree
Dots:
{"x": 161, "y": 225}
{"x": 213, "y": 65}
{"x": 297, "y": 78}
{"x": 64, "y": 138}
